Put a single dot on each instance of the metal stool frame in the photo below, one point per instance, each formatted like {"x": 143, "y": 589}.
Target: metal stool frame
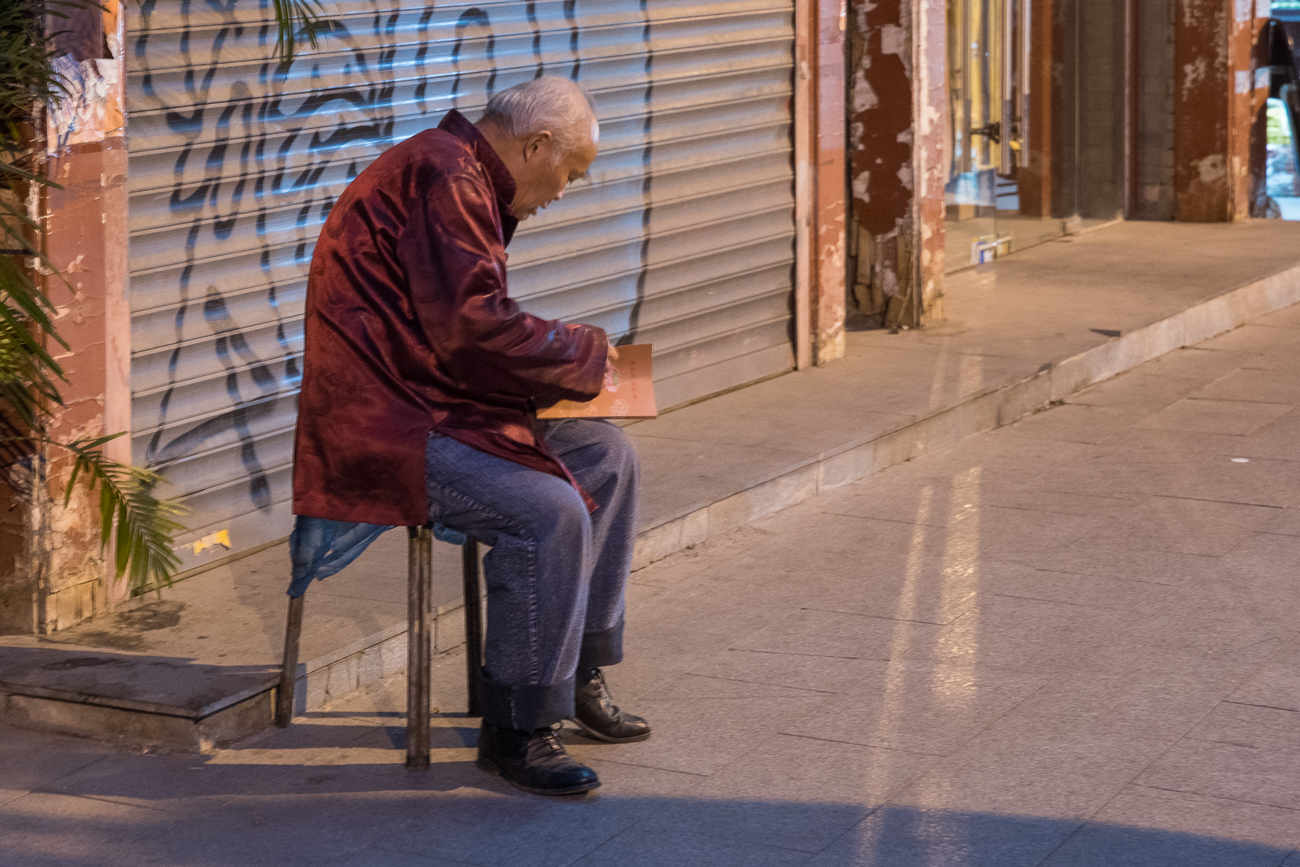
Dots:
{"x": 418, "y": 643}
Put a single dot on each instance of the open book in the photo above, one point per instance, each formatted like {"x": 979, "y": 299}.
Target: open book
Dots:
{"x": 629, "y": 391}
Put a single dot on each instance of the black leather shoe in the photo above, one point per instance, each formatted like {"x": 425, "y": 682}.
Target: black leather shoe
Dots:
{"x": 533, "y": 761}
{"x": 601, "y": 719}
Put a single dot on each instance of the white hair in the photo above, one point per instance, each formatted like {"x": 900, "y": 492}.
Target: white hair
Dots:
{"x": 557, "y": 105}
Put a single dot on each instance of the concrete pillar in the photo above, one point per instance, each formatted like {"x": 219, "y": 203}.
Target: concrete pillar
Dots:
{"x": 1154, "y": 124}
{"x": 87, "y": 242}
{"x": 1035, "y": 177}
{"x": 60, "y": 576}
{"x": 832, "y": 208}
{"x": 1218, "y": 98}
{"x": 820, "y": 180}
{"x": 897, "y": 117}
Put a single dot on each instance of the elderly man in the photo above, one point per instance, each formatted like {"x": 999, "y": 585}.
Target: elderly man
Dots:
{"x": 420, "y": 385}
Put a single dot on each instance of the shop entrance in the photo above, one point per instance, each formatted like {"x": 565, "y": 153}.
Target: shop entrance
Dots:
{"x": 987, "y": 84}
{"x": 1036, "y": 122}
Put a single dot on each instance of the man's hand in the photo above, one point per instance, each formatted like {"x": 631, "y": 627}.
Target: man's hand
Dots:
{"x": 611, "y": 382}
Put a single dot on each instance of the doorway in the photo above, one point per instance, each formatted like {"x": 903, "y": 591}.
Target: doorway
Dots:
{"x": 1036, "y": 123}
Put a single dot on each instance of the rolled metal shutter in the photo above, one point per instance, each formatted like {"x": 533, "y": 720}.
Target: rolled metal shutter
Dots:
{"x": 683, "y": 237}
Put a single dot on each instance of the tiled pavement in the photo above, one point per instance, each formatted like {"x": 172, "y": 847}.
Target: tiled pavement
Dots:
{"x": 1069, "y": 642}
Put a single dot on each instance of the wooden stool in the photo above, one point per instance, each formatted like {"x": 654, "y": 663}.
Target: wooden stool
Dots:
{"x": 419, "y": 645}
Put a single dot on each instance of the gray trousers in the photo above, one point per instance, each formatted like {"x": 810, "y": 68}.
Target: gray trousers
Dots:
{"x": 555, "y": 574}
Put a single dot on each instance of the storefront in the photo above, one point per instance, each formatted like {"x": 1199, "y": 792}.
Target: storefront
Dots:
{"x": 684, "y": 237}
{"x": 1041, "y": 96}
{"x": 979, "y": 128}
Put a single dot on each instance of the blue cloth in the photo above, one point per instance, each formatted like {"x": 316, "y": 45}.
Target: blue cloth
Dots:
{"x": 320, "y": 548}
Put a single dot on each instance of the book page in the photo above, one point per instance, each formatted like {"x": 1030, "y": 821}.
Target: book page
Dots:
{"x": 629, "y": 391}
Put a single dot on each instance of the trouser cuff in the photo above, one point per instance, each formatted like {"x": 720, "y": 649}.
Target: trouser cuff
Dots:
{"x": 601, "y": 648}
{"x": 526, "y": 707}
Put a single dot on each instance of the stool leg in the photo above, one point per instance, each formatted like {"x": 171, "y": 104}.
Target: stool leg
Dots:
{"x": 473, "y": 624}
{"x": 289, "y": 665}
{"x": 418, "y": 650}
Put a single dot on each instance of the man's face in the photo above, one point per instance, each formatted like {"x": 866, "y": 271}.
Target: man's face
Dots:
{"x": 542, "y": 180}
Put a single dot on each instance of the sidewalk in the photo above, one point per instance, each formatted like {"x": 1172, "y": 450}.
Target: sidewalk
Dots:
{"x": 1047, "y": 322}
{"x": 1070, "y": 642}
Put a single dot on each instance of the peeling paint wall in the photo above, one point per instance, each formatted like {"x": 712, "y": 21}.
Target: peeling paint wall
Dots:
{"x": 930, "y": 157}
{"x": 881, "y": 176}
{"x": 1217, "y": 107}
{"x": 896, "y": 118}
{"x": 831, "y": 241}
{"x": 87, "y": 242}
{"x": 59, "y": 576}
{"x": 880, "y": 157}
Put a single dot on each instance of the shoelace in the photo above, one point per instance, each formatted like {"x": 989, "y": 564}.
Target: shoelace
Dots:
{"x": 606, "y": 700}
{"x": 546, "y": 744}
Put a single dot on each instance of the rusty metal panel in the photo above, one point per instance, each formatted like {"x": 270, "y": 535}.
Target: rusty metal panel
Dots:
{"x": 683, "y": 237}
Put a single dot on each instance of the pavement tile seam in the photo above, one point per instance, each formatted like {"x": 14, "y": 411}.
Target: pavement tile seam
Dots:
{"x": 810, "y": 655}
{"x": 863, "y": 743}
{"x": 1138, "y": 787}
{"x": 1073, "y": 833}
{"x": 1132, "y": 783}
{"x": 958, "y": 746}
{"x": 1052, "y": 601}
{"x": 926, "y": 523}
{"x": 660, "y": 768}
{"x": 13, "y": 795}
{"x": 1212, "y": 796}
{"x": 807, "y": 689}
{"x": 945, "y": 622}
{"x": 1261, "y": 706}
{"x": 1223, "y": 502}
{"x": 1173, "y": 743}
{"x": 129, "y": 803}
{"x": 53, "y": 780}
{"x": 1277, "y": 533}
{"x": 1194, "y": 399}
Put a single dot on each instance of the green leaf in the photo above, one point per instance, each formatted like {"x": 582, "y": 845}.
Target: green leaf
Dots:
{"x": 296, "y": 20}
{"x": 140, "y": 525}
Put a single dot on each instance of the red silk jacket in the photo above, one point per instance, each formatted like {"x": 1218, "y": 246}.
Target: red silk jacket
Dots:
{"x": 409, "y": 328}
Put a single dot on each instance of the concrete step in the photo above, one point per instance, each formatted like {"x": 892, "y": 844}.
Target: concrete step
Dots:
{"x": 1054, "y": 321}
{"x": 135, "y": 699}
{"x": 176, "y": 703}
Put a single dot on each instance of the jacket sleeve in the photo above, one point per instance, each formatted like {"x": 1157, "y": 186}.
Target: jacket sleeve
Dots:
{"x": 454, "y": 263}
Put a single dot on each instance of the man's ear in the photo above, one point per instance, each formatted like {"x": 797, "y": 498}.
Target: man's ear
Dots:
{"x": 535, "y": 142}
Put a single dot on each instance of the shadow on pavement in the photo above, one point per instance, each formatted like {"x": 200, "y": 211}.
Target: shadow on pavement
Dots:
{"x": 376, "y": 814}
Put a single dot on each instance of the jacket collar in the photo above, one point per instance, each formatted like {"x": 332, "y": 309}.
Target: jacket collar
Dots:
{"x": 503, "y": 183}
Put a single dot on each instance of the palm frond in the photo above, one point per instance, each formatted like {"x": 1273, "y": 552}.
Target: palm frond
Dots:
{"x": 140, "y": 525}
{"x": 296, "y": 20}
{"x": 26, "y": 74}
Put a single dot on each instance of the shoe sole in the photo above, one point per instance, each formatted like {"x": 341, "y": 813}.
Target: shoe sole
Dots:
{"x": 490, "y": 767}
{"x": 597, "y": 736}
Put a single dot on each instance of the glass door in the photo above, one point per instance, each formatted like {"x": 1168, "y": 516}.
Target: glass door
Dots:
{"x": 987, "y": 87}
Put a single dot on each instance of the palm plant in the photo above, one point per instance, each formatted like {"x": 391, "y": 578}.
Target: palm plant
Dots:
{"x": 295, "y": 20}
{"x": 139, "y": 524}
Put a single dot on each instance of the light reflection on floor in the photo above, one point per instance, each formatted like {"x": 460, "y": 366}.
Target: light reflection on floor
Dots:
{"x": 960, "y": 576}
